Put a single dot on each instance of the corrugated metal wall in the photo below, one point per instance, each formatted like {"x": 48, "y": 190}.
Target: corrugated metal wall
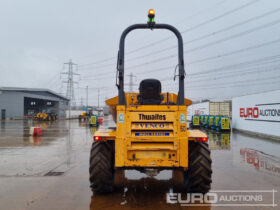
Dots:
{"x": 13, "y": 102}
{"x": 220, "y": 108}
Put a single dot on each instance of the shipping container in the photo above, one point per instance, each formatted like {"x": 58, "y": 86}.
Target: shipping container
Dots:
{"x": 216, "y": 108}
{"x": 220, "y": 108}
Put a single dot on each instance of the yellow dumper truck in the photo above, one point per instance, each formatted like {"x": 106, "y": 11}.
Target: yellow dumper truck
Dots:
{"x": 151, "y": 130}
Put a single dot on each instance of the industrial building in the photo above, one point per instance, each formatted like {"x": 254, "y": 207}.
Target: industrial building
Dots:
{"x": 20, "y": 103}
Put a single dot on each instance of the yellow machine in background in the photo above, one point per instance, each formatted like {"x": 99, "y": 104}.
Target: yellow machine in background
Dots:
{"x": 151, "y": 131}
{"x": 225, "y": 124}
{"x": 83, "y": 117}
{"x": 195, "y": 123}
{"x": 44, "y": 116}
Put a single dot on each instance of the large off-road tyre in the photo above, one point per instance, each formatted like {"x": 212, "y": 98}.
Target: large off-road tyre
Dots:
{"x": 198, "y": 177}
{"x": 101, "y": 167}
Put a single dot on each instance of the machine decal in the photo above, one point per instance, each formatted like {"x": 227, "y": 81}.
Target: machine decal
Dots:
{"x": 152, "y": 134}
{"x": 183, "y": 128}
{"x": 152, "y": 117}
{"x": 152, "y": 125}
{"x": 182, "y": 118}
{"x": 121, "y": 118}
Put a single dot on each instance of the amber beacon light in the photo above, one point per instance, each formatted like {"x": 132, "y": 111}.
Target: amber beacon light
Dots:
{"x": 151, "y": 15}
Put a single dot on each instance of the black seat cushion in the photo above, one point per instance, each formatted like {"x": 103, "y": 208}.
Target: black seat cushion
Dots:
{"x": 150, "y": 92}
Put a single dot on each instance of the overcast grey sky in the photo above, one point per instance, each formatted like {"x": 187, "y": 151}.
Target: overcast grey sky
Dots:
{"x": 231, "y": 46}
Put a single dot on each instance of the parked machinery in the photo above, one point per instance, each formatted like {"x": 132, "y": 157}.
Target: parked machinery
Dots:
{"x": 205, "y": 121}
{"x": 201, "y": 119}
{"x": 224, "y": 124}
{"x": 93, "y": 122}
{"x": 46, "y": 115}
{"x": 83, "y": 117}
{"x": 210, "y": 122}
{"x": 195, "y": 123}
{"x": 216, "y": 122}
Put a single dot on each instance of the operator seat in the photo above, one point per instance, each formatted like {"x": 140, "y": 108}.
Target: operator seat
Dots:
{"x": 150, "y": 92}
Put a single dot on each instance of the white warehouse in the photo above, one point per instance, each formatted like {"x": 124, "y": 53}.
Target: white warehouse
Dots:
{"x": 257, "y": 113}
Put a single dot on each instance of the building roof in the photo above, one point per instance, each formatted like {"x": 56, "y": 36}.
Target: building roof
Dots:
{"x": 20, "y": 89}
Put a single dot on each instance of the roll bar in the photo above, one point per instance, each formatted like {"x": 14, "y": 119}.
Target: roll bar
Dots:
{"x": 120, "y": 62}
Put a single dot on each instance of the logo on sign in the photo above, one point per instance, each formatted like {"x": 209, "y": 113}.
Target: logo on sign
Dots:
{"x": 152, "y": 117}
{"x": 121, "y": 118}
{"x": 263, "y": 112}
{"x": 182, "y": 118}
{"x": 151, "y": 125}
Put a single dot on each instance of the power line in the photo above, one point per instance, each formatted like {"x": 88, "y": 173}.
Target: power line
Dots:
{"x": 209, "y": 34}
{"x": 199, "y": 25}
{"x": 233, "y": 74}
{"x": 97, "y": 78}
{"x": 216, "y": 42}
{"x": 235, "y": 82}
{"x": 250, "y": 92}
{"x": 100, "y": 61}
{"x": 235, "y": 35}
{"x": 223, "y": 69}
{"x": 98, "y": 67}
{"x": 187, "y": 18}
{"x": 217, "y": 56}
{"x": 131, "y": 84}
{"x": 235, "y": 86}
{"x": 237, "y": 73}
{"x": 238, "y": 65}
{"x": 235, "y": 52}
{"x": 214, "y": 70}
{"x": 206, "y": 45}
{"x": 203, "y": 11}
{"x": 209, "y": 44}
{"x": 184, "y": 31}
{"x": 70, "y": 82}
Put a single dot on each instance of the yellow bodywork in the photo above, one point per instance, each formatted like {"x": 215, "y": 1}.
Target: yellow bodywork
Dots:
{"x": 83, "y": 116}
{"x": 41, "y": 116}
{"x": 93, "y": 120}
{"x": 225, "y": 123}
{"x": 211, "y": 120}
{"x": 196, "y": 120}
{"x": 150, "y": 135}
{"x": 217, "y": 121}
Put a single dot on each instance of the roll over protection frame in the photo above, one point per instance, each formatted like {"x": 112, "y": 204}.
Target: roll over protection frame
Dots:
{"x": 120, "y": 62}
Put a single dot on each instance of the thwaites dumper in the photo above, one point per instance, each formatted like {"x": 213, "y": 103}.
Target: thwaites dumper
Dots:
{"x": 151, "y": 130}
